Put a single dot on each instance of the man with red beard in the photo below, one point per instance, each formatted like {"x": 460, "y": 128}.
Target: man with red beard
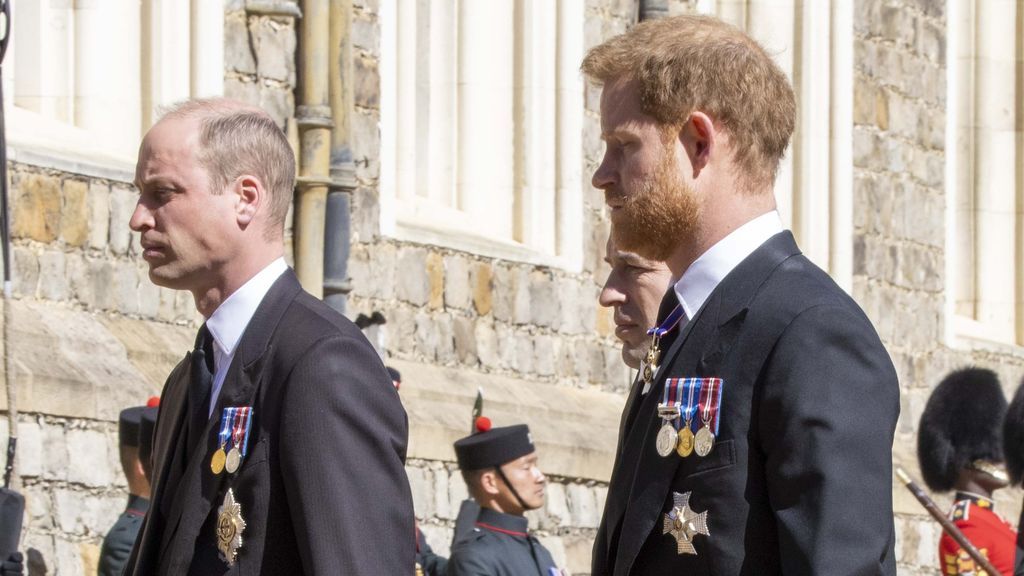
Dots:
{"x": 764, "y": 445}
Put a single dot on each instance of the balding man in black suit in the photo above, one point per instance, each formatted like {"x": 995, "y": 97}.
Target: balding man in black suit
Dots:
{"x": 280, "y": 443}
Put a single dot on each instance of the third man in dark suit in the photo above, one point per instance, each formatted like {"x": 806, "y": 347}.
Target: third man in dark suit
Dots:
{"x": 280, "y": 441}
{"x": 764, "y": 443}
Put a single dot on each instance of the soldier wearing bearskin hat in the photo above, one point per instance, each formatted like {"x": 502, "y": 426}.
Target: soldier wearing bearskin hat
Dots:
{"x": 960, "y": 448}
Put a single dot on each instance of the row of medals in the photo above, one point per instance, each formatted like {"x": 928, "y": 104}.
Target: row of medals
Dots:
{"x": 684, "y": 442}
{"x": 229, "y": 461}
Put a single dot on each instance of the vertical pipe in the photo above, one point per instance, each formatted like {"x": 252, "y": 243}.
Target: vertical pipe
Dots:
{"x": 337, "y": 240}
{"x": 653, "y": 9}
{"x": 313, "y": 117}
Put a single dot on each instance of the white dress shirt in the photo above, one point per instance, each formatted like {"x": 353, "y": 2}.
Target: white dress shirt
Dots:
{"x": 707, "y": 271}
{"x": 704, "y": 275}
{"x": 230, "y": 319}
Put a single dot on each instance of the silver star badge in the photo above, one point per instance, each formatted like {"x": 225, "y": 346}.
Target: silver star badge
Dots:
{"x": 684, "y": 524}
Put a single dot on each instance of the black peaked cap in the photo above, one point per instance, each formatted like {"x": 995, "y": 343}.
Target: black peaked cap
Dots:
{"x": 147, "y": 425}
{"x": 128, "y": 426}
{"x": 494, "y": 447}
{"x": 962, "y": 422}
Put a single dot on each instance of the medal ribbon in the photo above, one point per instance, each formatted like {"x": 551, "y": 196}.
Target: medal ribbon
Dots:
{"x": 248, "y": 428}
{"x": 669, "y": 324}
{"x": 710, "y": 402}
{"x": 692, "y": 388}
{"x": 674, "y": 394}
{"x": 240, "y": 433}
{"x": 227, "y": 418}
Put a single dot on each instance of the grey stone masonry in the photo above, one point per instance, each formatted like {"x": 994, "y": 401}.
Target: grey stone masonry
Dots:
{"x": 900, "y": 235}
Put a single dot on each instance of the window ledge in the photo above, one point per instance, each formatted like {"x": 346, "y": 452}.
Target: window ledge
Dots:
{"x": 969, "y": 334}
{"x": 423, "y": 232}
{"x": 34, "y": 139}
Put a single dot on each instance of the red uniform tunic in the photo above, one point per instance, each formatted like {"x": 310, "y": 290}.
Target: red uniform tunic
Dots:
{"x": 989, "y": 533}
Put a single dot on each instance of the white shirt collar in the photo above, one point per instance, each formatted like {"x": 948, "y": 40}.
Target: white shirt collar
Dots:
{"x": 701, "y": 278}
{"x": 229, "y": 320}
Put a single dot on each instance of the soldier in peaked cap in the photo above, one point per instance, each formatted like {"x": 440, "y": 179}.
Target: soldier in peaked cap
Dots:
{"x": 499, "y": 466}
{"x": 117, "y": 544}
{"x": 960, "y": 447}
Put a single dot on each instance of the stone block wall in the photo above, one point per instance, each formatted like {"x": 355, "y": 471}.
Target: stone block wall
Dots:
{"x": 899, "y": 239}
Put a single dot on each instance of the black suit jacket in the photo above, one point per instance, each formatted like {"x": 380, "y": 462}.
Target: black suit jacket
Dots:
{"x": 800, "y": 477}
{"x": 323, "y": 488}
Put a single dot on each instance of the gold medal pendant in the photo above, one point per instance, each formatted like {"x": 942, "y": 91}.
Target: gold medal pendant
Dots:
{"x": 684, "y": 446}
{"x": 666, "y": 441}
{"x": 704, "y": 441}
{"x": 651, "y": 361}
{"x": 217, "y": 462}
{"x": 654, "y": 352}
{"x": 233, "y": 460}
{"x": 648, "y": 373}
{"x": 230, "y": 526}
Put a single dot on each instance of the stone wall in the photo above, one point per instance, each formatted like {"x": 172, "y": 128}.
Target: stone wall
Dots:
{"x": 899, "y": 217}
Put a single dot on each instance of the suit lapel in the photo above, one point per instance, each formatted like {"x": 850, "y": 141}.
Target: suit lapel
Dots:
{"x": 199, "y": 489}
{"x": 167, "y": 469}
{"x": 653, "y": 472}
{"x": 650, "y": 484}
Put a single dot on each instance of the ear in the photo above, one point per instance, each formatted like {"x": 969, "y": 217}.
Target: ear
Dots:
{"x": 489, "y": 483}
{"x": 250, "y": 194}
{"x": 698, "y": 139}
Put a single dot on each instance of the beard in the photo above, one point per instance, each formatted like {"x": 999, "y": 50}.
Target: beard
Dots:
{"x": 660, "y": 216}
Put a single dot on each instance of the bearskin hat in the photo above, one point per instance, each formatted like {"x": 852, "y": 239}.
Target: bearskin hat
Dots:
{"x": 1013, "y": 437}
{"x": 962, "y": 422}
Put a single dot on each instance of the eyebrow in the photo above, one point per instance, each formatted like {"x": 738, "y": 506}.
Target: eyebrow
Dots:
{"x": 618, "y": 133}
{"x": 632, "y": 258}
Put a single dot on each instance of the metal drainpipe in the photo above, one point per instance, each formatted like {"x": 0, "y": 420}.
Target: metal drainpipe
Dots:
{"x": 337, "y": 241}
{"x": 313, "y": 118}
{"x": 653, "y": 9}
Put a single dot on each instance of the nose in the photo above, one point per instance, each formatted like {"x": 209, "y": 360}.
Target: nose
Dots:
{"x": 142, "y": 218}
{"x": 539, "y": 476}
{"x": 604, "y": 176}
{"x": 611, "y": 295}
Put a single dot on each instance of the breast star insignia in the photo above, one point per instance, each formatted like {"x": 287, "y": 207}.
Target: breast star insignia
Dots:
{"x": 684, "y": 524}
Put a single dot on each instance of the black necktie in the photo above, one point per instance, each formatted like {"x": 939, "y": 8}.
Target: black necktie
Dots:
{"x": 199, "y": 389}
